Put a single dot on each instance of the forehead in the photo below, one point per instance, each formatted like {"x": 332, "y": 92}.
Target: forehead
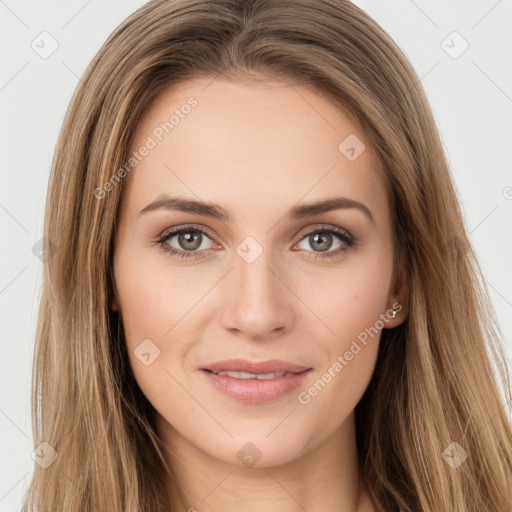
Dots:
{"x": 261, "y": 144}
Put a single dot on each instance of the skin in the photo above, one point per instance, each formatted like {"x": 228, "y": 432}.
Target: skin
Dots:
{"x": 257, "y": 150}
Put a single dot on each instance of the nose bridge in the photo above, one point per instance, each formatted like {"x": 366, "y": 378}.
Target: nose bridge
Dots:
{"x": 258, "y": 302}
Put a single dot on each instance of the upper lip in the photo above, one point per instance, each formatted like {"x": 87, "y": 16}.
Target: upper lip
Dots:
{"x": 256, "y": 367}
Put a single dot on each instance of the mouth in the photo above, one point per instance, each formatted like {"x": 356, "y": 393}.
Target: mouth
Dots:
{"x": 255, "y": 382}
{"x": 259, "y": 376}
{"x": 246, "y": 366}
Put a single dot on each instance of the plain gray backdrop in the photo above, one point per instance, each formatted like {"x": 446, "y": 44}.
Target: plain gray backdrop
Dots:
{"x": 461, "y": 50}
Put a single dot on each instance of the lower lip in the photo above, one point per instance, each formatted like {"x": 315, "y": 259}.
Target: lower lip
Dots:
{"x": 254, "y": 390}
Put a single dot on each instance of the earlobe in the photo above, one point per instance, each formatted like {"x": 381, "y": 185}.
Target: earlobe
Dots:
{"x": 395, "y": 315}
{"x": 114, "y": 305}
{"x": 398, "y": 309}
{"x": 112, "y": 297}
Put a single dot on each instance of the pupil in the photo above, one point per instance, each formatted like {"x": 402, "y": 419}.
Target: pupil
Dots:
{"x": 325, "y": 241}
{"x": 187, "y": 238}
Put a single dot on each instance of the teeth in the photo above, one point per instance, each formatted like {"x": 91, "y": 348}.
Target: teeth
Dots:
{"x": 260, "y": 376}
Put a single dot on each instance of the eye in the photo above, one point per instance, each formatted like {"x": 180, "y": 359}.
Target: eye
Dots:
{"x": 321, "y": 240}
{"x": 189, "y": 240}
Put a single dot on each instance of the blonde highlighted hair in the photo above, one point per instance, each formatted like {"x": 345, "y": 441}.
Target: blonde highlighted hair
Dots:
{"x": 441, "y": 376}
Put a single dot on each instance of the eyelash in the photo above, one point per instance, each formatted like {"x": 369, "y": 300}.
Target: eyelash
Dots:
{"x": 342, "y": 235}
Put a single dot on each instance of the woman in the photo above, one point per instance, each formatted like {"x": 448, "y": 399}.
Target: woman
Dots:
{"x": 263, "y": 295}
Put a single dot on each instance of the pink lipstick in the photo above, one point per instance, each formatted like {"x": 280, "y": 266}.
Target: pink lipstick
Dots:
{"x": 255, "y": 381}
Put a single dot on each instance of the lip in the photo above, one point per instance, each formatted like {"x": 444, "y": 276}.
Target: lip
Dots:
{"x": 256, "y": 391}
{"x": 245, "y": 365}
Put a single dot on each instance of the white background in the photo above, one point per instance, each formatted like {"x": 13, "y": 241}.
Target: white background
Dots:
{"x": 471, "y": 97}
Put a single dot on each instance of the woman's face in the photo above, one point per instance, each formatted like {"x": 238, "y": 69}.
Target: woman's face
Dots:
{"x": 260, "y": 276}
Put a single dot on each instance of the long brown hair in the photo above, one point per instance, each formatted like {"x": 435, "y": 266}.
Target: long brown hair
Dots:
{"x": 438, "y": 375}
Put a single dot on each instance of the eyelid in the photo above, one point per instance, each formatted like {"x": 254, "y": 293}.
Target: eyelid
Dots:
{"x": 304, "y": 232}
{"x": 342, "y": 234}
{"x": 192, "y": 227}
{"x": 324, "y": 227}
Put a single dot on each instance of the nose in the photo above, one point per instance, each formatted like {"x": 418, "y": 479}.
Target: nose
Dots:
{"x": 259, "y": 305}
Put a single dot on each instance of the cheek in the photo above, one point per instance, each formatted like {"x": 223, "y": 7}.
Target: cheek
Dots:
{"x": 349, "y": 304}
{"x": 350, "y": 300}
{"x": 151, "y": 300}
{"x": 144, "y": 298}
{"x": 141, "y": 305}
{"x": 156, "y": 310}
{"x": 147, "y": 317}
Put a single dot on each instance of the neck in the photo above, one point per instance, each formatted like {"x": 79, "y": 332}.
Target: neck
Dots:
{"x": 324, "y": 479}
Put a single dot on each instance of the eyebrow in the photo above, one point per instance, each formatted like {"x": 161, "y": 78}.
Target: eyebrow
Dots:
{"x": 166, "y": 202}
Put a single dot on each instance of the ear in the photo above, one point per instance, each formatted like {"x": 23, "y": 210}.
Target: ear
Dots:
{"x": 398, "y": 299}
{"x": 112, "y": 299}
{"x": 114, "y": 305}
